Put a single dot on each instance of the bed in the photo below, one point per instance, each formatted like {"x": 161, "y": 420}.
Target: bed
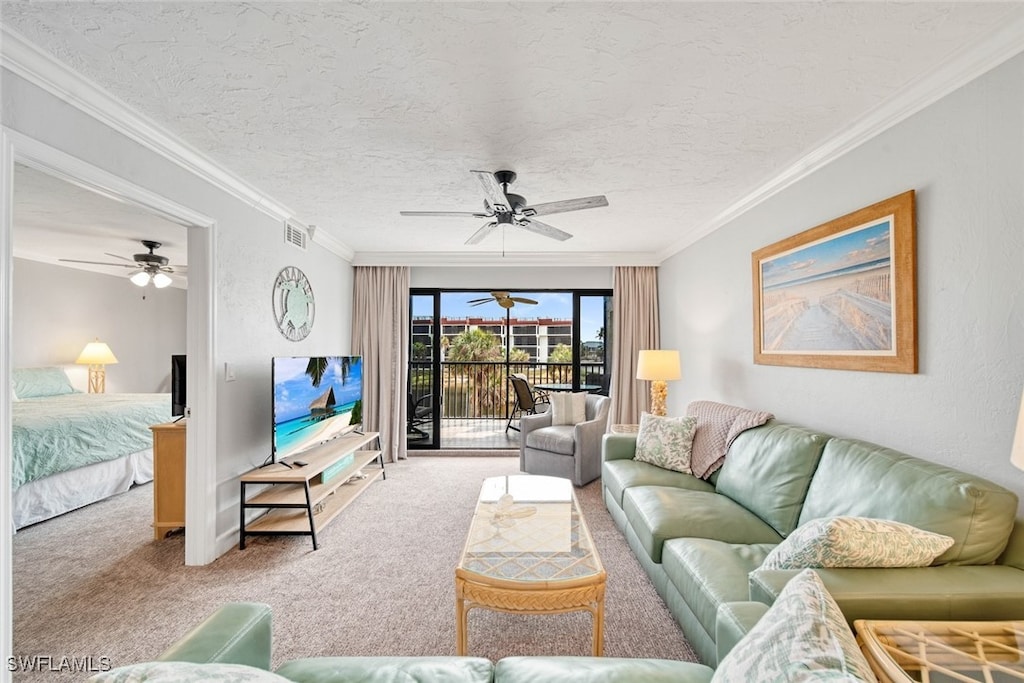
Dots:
{"x": 69, "y": 449}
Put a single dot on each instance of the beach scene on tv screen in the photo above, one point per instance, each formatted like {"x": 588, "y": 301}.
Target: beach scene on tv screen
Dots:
{"x": 315, "y": 399}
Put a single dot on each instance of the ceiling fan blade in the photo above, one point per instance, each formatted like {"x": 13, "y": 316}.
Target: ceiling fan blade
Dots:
{"x": 500, "y": 295}
{"x": 123, "y": 258}
{"x": 492, "y": 190}
{"x": 100, "y": 263}
{"x": 566, "y": 205}
{"x": 481, "y": 233}
{"x": 544, "y": 229}
{"x": 480, "y": 301}
{"x": 522, "y": 300}
{"x": 464, "y": 214}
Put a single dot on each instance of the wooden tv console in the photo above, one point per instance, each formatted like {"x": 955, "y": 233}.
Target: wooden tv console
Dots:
{"x": 303, "y": 500}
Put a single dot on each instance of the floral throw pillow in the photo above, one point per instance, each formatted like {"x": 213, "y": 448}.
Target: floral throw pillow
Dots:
{"x": 665, "y": 441}
{"x": 802, "y": 637}
{"x": 857, "y": 542}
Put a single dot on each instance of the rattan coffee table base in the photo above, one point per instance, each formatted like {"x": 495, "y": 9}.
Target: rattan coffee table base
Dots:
{"x": 517, "y": 598}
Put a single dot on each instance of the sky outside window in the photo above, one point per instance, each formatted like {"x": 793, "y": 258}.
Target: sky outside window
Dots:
{"x": 549, "y": 305}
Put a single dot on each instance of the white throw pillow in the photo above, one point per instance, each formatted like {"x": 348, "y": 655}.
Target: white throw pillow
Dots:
{"x": 665, "y": 442}
{"x": 802, "y": 637}
{"x": 568, "y": 408}
{"x": 856, "y": 542}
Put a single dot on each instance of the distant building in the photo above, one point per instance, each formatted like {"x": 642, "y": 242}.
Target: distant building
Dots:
{"x": 536, "y": 336}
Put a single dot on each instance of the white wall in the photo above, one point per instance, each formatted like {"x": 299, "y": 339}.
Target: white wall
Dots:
{"x": 964, "y": 155}
{"x": 249, "y": 253}
{"x": 56, "y": 311}
{"x": 512, "y": 277}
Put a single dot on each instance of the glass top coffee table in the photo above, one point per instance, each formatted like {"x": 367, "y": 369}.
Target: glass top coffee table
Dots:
{"x": 528, "y": 551}
{"x": 941, "y": 651}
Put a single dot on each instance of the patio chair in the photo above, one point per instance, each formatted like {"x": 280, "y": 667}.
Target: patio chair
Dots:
{"x": 420, "y": 413}
{"x": 527, "y": 399}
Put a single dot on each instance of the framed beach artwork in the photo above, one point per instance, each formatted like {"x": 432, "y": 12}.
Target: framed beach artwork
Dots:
{"x": 842, "y": 295}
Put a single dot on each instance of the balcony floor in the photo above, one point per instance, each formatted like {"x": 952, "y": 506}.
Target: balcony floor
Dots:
{"x": 470, "y": 434}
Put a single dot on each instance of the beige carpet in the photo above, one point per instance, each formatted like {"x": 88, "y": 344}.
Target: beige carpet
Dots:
{"x": 94, "y": 583}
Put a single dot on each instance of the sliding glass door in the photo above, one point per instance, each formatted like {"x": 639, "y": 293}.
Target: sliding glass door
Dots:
{"x": 465, "y": 344}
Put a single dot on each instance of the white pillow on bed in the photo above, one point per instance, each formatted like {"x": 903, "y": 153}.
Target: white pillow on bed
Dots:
{"x": 14, "y": 394}
{"x": 37, "y": 382}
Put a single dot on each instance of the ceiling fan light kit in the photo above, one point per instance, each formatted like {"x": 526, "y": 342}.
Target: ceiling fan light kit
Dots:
{"x": 505, "y": 208}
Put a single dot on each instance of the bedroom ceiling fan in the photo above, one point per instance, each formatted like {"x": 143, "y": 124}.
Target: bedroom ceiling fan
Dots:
{"x": 504, "y": 299}
{"x": 148, "y": 267}
{"x": 505, "y": 208}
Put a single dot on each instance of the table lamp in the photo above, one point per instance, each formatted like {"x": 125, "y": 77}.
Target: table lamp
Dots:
{"x": 96, "y": 355}
{"x": 1017, "y": 454}
{"x": 658, "y": 367}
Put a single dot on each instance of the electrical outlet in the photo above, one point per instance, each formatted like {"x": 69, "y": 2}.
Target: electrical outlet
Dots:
{"x": 229, "y": 372}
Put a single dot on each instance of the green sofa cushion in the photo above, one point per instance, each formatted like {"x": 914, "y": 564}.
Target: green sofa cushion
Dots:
{"x": 768, "y": 470}
{"x": 598, "y": 670}
{"x": 961, "y": 593}
{"x": 389, "y": 669}
{"x": 619, "y": 475}
{"x": 708, "y": 573}
{"x": 659, "y": 513}
{"x": 861, "y": 479}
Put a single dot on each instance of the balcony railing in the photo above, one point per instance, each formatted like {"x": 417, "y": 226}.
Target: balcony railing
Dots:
{"x": 474, "y": 390}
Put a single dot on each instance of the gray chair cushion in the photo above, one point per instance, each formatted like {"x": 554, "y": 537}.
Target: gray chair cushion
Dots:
{"x": 556, "y": 439}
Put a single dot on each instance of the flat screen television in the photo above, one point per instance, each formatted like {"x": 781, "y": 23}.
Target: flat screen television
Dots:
{"x": 316, "y": 398}
{"x": 178, "y": 395}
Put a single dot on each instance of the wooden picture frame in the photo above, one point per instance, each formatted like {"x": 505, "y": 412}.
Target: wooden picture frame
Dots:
{"x": 842, "y": 295}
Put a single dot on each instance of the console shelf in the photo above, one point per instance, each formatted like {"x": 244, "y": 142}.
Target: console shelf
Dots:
{"x": 298, "y": 499}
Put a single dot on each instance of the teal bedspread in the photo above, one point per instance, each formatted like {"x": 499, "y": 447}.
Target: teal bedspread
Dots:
{"x": 60, "y": 433}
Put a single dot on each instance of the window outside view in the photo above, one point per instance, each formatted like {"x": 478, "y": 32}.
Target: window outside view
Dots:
{"x": 482, "y": 340}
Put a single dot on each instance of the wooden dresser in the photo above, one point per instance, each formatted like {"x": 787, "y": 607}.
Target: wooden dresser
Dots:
{"x": 168, "y": 478}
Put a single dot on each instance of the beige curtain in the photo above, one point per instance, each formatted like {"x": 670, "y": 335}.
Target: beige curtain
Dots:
{"x": 380, "y": 334}
{"x": 635, "y": 326}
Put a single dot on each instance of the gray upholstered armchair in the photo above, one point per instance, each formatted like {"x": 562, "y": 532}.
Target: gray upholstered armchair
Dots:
{"x": 570, "y": 451}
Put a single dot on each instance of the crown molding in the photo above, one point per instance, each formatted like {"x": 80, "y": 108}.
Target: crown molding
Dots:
{"x": 455, "y": 259}
{"x": 960, "y": 69}
{"x": 26, "y": 60}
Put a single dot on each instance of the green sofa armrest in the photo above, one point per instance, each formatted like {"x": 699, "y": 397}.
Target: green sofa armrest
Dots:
{"x": 389, "y": 669}
{"x": 618, "y": 447}
{"x": 603, "y": 669}
{"x": 237, "y": 633}
{"x": 733, "y": 622}
{"x": 1014, "y": 553}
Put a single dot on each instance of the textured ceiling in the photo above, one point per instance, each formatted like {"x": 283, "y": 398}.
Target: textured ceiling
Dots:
{"x": 54, "y": 219}
{"x": 350, "y": 112}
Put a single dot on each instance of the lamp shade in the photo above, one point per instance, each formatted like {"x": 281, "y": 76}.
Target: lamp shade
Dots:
{"x": 140, "y": 278}
{"x": 160, "y": 280}
{"x": 1017, "y": 454}
{"x": 96, "y": 353}
{"x": 658, "y": 365}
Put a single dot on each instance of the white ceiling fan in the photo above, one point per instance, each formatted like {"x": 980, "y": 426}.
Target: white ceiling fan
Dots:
{"x": 505, "y": 208}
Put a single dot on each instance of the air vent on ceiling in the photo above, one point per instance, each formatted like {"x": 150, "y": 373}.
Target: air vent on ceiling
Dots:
{"x": 295, "y": 234}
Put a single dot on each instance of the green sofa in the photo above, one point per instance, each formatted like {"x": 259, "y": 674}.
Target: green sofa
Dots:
{"x": 240, "y": 634}
{"x": 702, "y": 542}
